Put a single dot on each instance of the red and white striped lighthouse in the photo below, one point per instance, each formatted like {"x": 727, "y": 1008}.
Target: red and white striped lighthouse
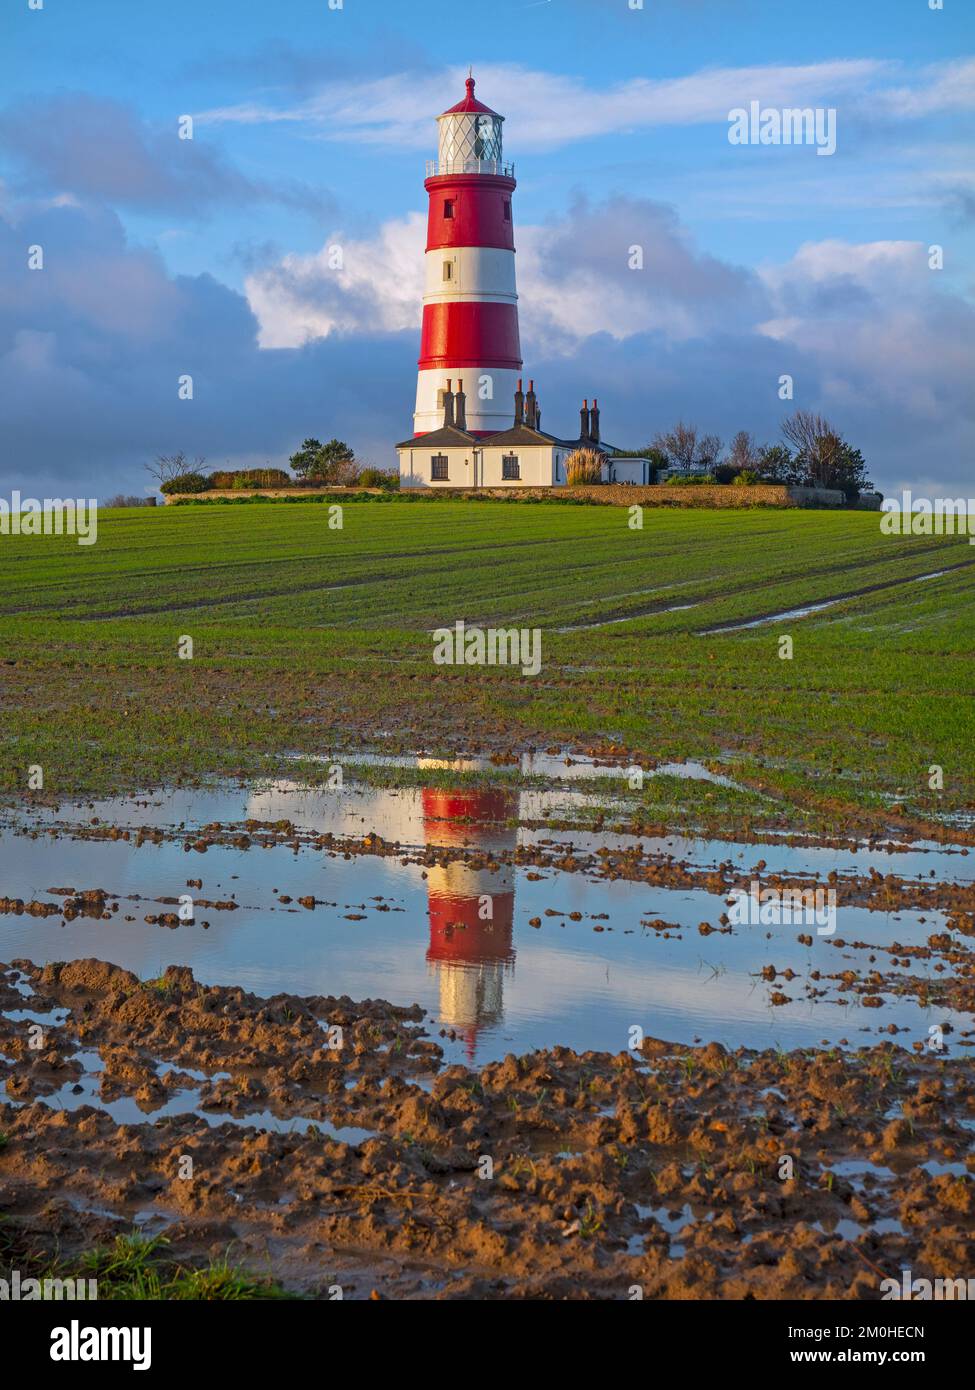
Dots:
{"x": 470, "y": 306}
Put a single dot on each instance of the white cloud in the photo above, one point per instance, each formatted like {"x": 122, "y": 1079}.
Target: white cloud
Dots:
{"x": 574, "y": 280}
{"x": 377, "y": 287}
{"x": 943, "y": 87}
{"x": 550, "y": 110}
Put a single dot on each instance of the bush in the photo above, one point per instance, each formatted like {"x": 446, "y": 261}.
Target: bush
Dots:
{"x": 378, "y": 477}
{"x": 692, "y": 480}
{"x": 251, "y": 477}
{"x": 186, "y": 482}
{"x": 584, "y": 467}
{"x": 747, "y": 478}
{"x": 725, "y": 473}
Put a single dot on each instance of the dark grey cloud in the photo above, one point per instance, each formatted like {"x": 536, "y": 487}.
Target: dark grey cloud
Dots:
{"x": 632, "y": 261}
{"x": 100, "y": 149}
{"x": 92, "y": 347}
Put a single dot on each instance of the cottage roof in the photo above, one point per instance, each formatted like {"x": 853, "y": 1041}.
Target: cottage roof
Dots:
{"x": 444, "y": 437}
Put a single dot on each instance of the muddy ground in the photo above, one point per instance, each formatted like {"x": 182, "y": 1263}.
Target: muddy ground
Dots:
{"x": 676, "y": 1171}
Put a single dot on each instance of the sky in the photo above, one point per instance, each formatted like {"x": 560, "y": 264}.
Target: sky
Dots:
{"x": 311, "y": 123}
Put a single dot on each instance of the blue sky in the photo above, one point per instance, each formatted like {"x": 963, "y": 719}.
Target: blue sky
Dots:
{"x": 311, "y": 126}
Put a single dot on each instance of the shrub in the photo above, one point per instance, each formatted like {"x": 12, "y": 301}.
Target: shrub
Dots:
{"x": 584, "y": 466}
{"x": 747, "y": 478}
{"x": 692, "y": 480}
{"x": 378, "y": 477}
{"x": 186, "y": 482}
{"x": 251, "y": 477}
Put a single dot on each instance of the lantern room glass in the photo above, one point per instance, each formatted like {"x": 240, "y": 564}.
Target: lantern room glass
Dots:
{"x": 469, "y": 140}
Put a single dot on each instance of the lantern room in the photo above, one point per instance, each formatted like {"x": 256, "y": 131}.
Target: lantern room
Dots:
{"x": 470, "y": 138}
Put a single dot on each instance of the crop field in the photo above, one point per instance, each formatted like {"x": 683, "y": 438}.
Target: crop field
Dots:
{"x": 542, "y": 888}
{"x": 308, "y": 639}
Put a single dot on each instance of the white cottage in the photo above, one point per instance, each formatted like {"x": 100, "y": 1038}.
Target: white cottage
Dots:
{"x": 523, "y": 456}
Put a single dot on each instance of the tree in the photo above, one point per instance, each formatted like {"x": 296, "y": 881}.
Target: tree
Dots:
{"x": 303, "y": 459}
{"x": 333, "y": 462}
{"x": 777, "y": 465}
{"x": 817, "y": 445}
{"x": 679, "y": 446}
{"x": 166, "y": 467}
{"x": 851, "y": 472}
{"x": 708, "y": 452}
{"x": 743, "y": 453}
{"x": 824, "y": 456}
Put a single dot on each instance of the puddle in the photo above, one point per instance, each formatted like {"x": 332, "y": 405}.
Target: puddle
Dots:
{"x": 674, "y": 1220}
{"x": 85, "y": 1090}
{"x": 53, "y": 1019}
{"x": 457, "y": 938}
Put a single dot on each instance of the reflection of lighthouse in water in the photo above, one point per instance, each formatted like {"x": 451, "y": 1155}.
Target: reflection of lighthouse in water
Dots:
{"x": 471, "y": 909}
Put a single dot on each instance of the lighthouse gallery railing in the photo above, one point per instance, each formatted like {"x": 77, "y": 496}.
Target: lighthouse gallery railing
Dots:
{"x": 469, "y": 166}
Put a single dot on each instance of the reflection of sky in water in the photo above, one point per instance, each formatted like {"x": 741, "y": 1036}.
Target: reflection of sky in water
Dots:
{"x": 398, "y": 815}
{"x": 507, "y": 987}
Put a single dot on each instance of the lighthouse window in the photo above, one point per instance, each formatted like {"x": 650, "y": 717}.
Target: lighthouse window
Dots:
{"x": 448, "y": 207}
{"x": 438, "y": 468}
{"x": 448, "y": 270}
{"x": 507, "y": 210}
{"x": 510, "y": 467}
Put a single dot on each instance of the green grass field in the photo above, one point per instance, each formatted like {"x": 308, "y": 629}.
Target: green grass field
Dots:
{"x": 308, "y": 639}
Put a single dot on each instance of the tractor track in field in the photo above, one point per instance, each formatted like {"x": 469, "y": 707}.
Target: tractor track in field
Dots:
{"x": 733, "y": 623}
{"x": 667, "y": 604}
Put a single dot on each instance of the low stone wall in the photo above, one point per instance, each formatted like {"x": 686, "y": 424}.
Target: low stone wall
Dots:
{"x": 215, "y": 494}
{"x": 608, "y": 495}
{"x": 711, "y": 495}
{"x": 662, "y": 495}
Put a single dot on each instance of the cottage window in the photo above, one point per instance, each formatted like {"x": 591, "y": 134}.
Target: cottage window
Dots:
{"x": 438, "y": 468}
{"x": 510, "y": 467}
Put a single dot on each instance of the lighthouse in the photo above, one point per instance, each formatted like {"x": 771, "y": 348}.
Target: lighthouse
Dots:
{"x": 474, "y": 426}
{"x": 469, "y": 343}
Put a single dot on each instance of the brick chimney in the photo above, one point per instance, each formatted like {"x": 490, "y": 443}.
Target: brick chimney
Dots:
{"x": 519, "y": 405}
{"x": 448, "y": 404}
{"x": 584, "y": 421}
{"x": 531, "y": 406}
{"x": 460, "y": 406}
{"x": 594, "y": 420}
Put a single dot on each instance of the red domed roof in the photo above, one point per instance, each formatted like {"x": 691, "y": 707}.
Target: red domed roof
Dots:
{"x": 471, "y": 103}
